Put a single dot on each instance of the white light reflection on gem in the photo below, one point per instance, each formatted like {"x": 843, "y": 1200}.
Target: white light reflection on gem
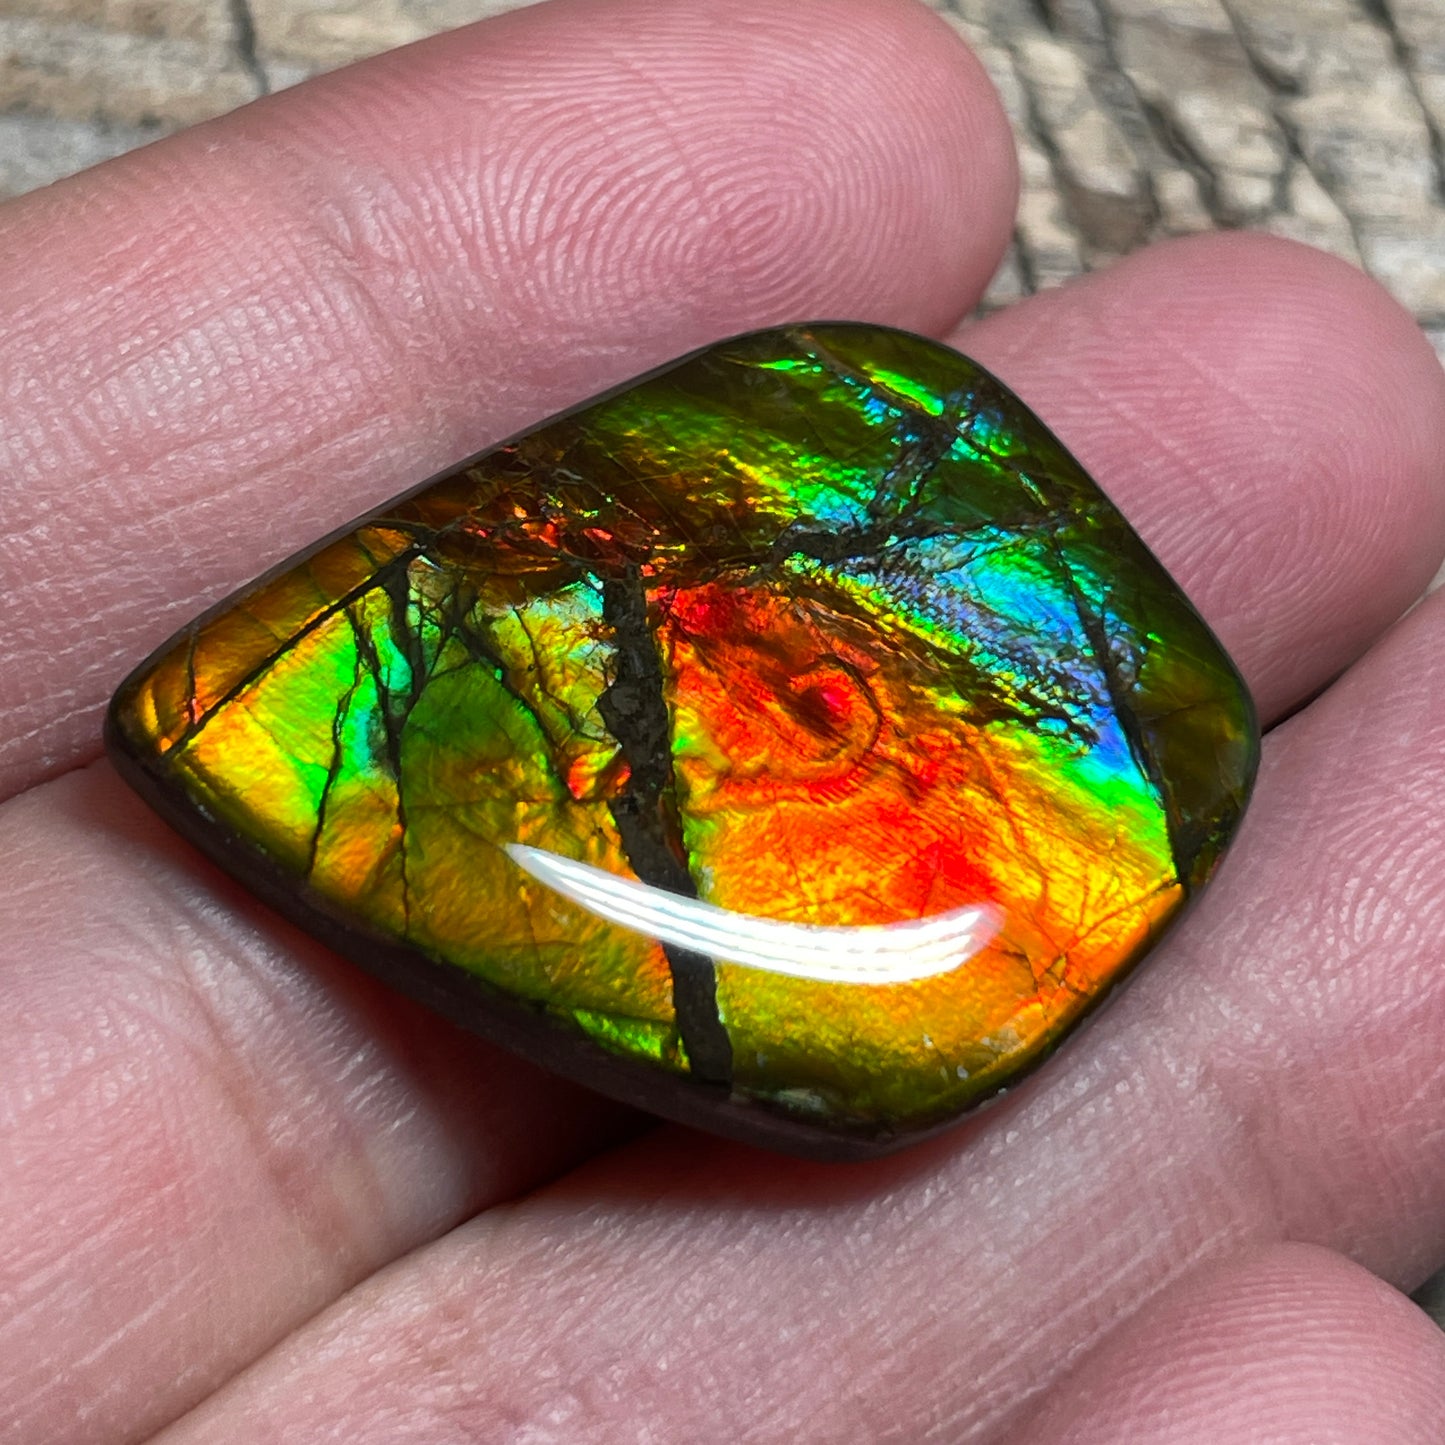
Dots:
{"x": 875, "y": 954}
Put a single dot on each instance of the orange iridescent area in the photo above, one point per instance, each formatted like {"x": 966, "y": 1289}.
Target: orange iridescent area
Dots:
{"x": 818, "y": 627}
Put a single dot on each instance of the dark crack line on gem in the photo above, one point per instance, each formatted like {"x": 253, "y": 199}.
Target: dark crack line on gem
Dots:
{"x": 931, "y": 439}
{"x": 923, "y": 445}
{"x": 1139, "y": 748}
{"x": 835, "y": 365}
{"x": 855, "y": 543}
{"x": 393, "y": 724}
{"x": 333, "y": 770}
{"x": 476, "y": 648}
{"x": 254, "y": 674}
{"x": 1126, "y": 906}
{"x": 193, "y": 703}
{"x": 577, "y": 722}
{"x": 634, "y": 708}
{"x": 397, "y": 589}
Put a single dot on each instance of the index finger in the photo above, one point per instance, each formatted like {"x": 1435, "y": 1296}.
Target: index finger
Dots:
{"x": 223, "y": 346}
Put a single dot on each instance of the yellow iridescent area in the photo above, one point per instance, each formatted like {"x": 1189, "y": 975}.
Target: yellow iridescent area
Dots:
{"x": 817, "y": 627}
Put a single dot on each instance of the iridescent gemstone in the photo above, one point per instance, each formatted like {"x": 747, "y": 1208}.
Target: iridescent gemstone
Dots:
{"x": 795, "y": 742}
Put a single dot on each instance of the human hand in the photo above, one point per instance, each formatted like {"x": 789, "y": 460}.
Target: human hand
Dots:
{"x": 239, "y": 1180}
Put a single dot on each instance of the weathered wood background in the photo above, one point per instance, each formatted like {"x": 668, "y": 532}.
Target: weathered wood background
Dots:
{"x": 1318, "y": 119}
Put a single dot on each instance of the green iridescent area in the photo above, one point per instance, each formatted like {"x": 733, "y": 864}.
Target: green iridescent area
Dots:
{"x": 796, "y": 740}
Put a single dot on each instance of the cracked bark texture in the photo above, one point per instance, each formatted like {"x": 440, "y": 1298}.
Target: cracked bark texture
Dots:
{"x": 1323, "y": 120}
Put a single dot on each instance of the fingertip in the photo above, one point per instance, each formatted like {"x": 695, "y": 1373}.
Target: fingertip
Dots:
{"x": 1288, "y": 1343}
{"x": 686, "y": 171}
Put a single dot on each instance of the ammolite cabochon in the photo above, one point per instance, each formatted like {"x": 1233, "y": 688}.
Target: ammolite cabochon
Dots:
{"x": 794, "y": 741}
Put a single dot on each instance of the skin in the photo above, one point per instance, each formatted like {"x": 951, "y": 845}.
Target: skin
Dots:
{"x": 247, "y": 1195}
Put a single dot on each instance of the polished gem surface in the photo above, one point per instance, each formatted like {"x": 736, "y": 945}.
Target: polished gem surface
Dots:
{"x": 796, "y": 741}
